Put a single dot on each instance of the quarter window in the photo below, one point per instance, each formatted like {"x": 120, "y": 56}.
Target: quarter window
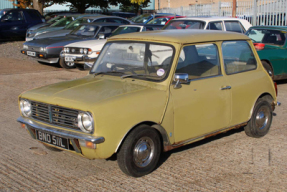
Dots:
{"x": 214, "y": 26}
{"x": 199, "y": 61}
{"x": 234, "y": 26}
{"x": 238, "y": 57}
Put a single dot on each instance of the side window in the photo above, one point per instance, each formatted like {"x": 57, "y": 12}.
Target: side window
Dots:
{"x": 34, "y": 14}
{"x": 238, "y": 57}
{"x": 234, "y": 26}
{"x": 199, "y": 61}
{"x": 100, "y": 20}
{"x": 113, "y": 20}
{"x": 214, "y": 26}
{"x": 14, "y": 16}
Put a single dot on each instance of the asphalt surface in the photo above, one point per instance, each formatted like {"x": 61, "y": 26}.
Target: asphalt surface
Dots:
{"x": 227, "y": 162}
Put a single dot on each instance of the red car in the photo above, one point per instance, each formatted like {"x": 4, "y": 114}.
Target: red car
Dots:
{"x": 163, "y": 20}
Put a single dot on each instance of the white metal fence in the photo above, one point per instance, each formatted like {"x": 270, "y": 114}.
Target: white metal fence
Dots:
{"x": 257, "y": 12}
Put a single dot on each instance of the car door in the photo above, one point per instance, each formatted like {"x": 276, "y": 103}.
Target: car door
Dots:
{"x": 239, "y": 65}
{"x": 13, "y": 24}
{"x": 202, "y": 106}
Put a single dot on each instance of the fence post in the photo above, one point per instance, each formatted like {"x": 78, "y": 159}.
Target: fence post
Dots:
{"x": 254, "y": 12}
{"x": 219, "y": 8}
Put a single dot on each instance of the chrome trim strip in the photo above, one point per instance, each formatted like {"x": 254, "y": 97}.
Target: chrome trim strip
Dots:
{"x": 61, "y": 133}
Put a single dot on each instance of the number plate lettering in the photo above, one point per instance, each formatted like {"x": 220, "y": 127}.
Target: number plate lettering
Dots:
{"x": 52, "y": 139}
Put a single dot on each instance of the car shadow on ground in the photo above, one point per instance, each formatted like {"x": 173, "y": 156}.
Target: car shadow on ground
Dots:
{"x": 281, "y": 81}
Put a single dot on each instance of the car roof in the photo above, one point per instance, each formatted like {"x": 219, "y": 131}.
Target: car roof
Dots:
{"x": 102, "y": 16}
{"x": 270, "y": 27}
{"x": 211, "y": 18}
{"x": 182, "y": 36}
{"x": 103, "y": 24}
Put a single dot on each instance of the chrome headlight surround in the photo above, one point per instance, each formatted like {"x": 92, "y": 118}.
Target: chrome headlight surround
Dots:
{"x": 86, "y": 122}
{"x": 25, "y": 47}
{"x": 25, "y": 107}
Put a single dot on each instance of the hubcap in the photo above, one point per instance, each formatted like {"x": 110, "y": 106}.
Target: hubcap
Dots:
{"x": 262, "y": 117}
{"x": 270, "y": 73}
{"x": 144, "y": 151}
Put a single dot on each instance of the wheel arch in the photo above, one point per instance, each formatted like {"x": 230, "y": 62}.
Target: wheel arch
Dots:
{"x": 261, "y": 96}
{"x": 269, "y": 62}
{"x": 161, "y": 131}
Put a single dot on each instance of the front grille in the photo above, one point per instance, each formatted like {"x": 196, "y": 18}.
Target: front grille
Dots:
{"x": 55, "y": 115}
{"x": 33, "y": 48}
{"x": 75, "y": 50}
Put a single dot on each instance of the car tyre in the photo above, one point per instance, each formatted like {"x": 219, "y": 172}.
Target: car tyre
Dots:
{"x": 140, "y": 151}
{"x": 52, "y": 148}
{"x": 65, "y": 65}
{"x": 268, "y": 68}
{"x": 261, "y": 119}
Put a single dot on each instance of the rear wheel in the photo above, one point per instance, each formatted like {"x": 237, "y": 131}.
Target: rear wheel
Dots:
{"x": 261, "y": 119}
{"x": 140, "y": 151}
{"x": 67, "y": 65}
{"x": 268, "y": 68}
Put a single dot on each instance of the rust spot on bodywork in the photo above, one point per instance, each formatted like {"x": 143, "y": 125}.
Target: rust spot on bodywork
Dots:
{"x": 188, "y": 141}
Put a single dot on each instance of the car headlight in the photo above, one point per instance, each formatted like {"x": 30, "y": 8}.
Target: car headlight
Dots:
{"x": 81, "y": 51}
{"x": 85, "y": 122}
{"x": 25, "y": 107}
{"x": 67, "y": 50}
{"x": 43, "y": 49}
{"x": 25, "y": 46}
{"x": 85, "y": 51}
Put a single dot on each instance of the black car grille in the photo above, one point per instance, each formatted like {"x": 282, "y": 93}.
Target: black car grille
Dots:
{"x": 55, "y": 115}
{"x": 75, "y": 50}
{"x": 33, "y": 48}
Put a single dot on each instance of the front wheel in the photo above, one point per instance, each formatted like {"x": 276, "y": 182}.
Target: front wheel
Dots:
{"x": 261, "y": 119}
{"x": 140, "y": 151}
{"x": 67, "y": 65}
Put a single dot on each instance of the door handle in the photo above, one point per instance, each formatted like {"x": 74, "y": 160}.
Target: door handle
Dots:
{"x": 227, "y": 87}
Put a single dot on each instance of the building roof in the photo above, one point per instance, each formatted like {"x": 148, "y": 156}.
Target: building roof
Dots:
{"x": 183, "y": 36}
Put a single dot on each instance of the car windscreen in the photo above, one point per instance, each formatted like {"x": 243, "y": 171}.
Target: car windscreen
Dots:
{"x": 123, "y": 30}
{"x": 141, "y": 60}
{"x": 85, "y": 30}
{"x": 142, "y": 18}
{"x": 63, "y": 22}
{"x": 159, "y": 21}
{"x": 267, "y": 36}
{"x": 73, "y": 25}
{"x": 185, "y": 24}
{"x": 55, "y": 19}
{"x": 2, "y": 12}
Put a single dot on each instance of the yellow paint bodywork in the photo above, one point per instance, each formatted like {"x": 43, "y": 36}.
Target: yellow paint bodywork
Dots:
{"x": 118, "y": 105}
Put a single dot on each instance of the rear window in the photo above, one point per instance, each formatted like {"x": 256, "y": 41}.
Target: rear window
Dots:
{"x": 185, "y": 24}
{"x": 123, "y": 30}
{"x": 266, "y": 36}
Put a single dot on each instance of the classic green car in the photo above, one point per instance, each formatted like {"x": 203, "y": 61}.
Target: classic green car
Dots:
{"x": 270, "y": 43}
{"x": 151, "y": 92}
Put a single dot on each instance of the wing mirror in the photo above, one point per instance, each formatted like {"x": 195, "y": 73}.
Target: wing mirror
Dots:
{"x": 101, "y": 36}
{"x": 180, "y": 78}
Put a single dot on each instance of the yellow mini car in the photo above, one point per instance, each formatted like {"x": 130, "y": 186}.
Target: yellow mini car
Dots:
{"x": 151, "y": 92}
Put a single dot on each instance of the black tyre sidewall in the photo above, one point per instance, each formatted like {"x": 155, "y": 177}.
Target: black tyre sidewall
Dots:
{"x": 125, "y": 155}
{"x": 64, "y": 65}
{"x": 268, "y": 67}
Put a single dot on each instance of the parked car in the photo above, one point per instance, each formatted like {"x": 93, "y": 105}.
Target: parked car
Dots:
{"x": 61, "y": 24}
{"x": 15, "y": 22}
{"x": 124, "y": 14}
{"x": 151, "y": 92}
{"x": 163, "y": 20}
{"x": 52, "y": 15}
{"x": 210, "y": 23}
{"x": 82, "y": 20}
{"x": 84, "y": 59}
{"x": 3, "y": 12}
{"x": 145, "y": 18}
{"x": 46, "y": 24}
{"x": 48, "y": 50}
{"x": 270, "y": 42}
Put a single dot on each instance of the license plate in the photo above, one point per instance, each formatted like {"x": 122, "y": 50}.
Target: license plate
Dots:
{"x": 69, "y": 59}
{"x": 31, "y": 53}
{"x": 52, "y": 139}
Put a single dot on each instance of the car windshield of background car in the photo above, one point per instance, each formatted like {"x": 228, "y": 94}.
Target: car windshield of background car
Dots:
{"x": 2, "y": 12}
{"x": 73, "y": 25}
{"x": 85, "y": 30}
{"x": 123, "y": 30}
{"x": 267, "y": 36}
{"x": 141, "y": 19}
{"x": 54, "y": 20}
{"x": 138, "y": 60}
{"x": 159, "y": 21}
{"x": 185, "y": 24}
{"x": 63, "y": 22}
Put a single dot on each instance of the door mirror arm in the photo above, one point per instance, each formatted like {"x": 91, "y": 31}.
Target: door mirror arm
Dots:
{"x": 180, "y": 78}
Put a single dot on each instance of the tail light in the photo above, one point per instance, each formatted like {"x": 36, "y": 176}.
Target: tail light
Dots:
{"x": 259, "y": 46}
{"x": 276, "y": 90}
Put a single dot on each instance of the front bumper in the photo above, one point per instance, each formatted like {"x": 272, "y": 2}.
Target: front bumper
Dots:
{"x": 80, "y": 58}
{"x": 32, "y": 126}
{"x": 42, "y": 57}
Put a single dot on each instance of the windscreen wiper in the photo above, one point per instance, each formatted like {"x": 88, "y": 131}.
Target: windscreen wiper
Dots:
{"x": 133, "y": 75}
{"x": 107, "y": 72}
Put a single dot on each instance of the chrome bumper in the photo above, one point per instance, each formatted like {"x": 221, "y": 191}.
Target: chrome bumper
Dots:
{"x": 48, "y": 60}
{"x": 79, "y": 59}
{"x": 59, "y": 132}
